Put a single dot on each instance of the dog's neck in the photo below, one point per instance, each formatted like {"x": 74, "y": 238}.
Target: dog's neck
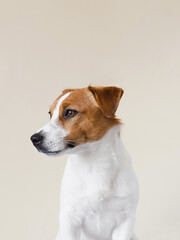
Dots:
{"x": 108, "y": 152}
{"x": 97, "y": 164}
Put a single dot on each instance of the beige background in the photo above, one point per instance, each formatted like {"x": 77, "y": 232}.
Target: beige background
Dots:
{"x": 46, "y": 46}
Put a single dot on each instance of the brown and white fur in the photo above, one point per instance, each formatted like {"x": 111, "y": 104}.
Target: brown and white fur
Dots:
{"x": 99, "y": 190}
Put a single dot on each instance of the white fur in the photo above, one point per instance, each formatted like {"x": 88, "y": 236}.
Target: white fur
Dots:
{"x": 99, "y": 192}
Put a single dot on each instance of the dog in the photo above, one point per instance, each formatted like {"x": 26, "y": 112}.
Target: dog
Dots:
{"x": 99, "y": 191}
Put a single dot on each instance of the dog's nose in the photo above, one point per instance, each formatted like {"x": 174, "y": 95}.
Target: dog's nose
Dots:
{"x": 37, "y": 138}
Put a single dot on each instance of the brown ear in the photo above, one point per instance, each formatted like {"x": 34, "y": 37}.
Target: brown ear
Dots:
{"x": 107, "y": 98}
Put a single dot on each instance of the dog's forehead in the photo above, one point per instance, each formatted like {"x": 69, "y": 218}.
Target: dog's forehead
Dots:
{"x": 80, "y": 97}
{"x": 57, "y": 104}
{"x": 74, "y": 97}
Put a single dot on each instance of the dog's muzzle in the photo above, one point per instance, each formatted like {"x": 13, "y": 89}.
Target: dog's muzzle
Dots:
{"x": 39, "y": 140}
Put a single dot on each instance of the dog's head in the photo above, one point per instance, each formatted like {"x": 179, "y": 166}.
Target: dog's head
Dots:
{"x": 78, "y": 116}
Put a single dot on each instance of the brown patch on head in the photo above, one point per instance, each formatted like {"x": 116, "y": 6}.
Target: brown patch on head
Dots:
{"x": 57, "y": 99}
{"x": 96, "y": 113}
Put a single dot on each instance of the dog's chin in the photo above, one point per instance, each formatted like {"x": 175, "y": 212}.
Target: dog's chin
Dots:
{"x": 50, "y": 152}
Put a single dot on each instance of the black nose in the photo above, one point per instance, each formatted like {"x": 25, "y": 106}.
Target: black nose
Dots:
{"x": 37, "y": 138}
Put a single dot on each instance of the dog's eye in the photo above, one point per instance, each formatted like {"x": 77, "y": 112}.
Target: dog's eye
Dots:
{"x": 69, "y": 113}
{"x": 49, "y": 113}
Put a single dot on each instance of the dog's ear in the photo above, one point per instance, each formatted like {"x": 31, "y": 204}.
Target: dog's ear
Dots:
{"x": 107, "y": 98}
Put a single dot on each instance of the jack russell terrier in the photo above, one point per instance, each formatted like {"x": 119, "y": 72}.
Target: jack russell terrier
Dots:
{"x": 99, "y": 191}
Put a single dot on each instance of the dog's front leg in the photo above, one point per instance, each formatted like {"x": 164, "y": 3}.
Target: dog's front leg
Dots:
{"x": 125, "y": 230}
{"x": 69, "y": 229}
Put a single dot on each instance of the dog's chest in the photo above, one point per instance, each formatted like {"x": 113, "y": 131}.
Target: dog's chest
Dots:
{"x": 97, "y": 215}
{"x": 88, "y": 181}
{"x": 91, "y": 199}
{"x": 102, "y": 215}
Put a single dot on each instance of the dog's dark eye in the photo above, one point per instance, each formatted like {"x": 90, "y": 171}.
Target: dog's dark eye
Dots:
{"x": 69, "y": 113}
{"x": 49, "y": 113}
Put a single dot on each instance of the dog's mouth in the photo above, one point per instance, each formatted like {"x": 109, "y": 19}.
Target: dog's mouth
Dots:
{"x": 52, "y": 153}
{"x": 47, "y": 151}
